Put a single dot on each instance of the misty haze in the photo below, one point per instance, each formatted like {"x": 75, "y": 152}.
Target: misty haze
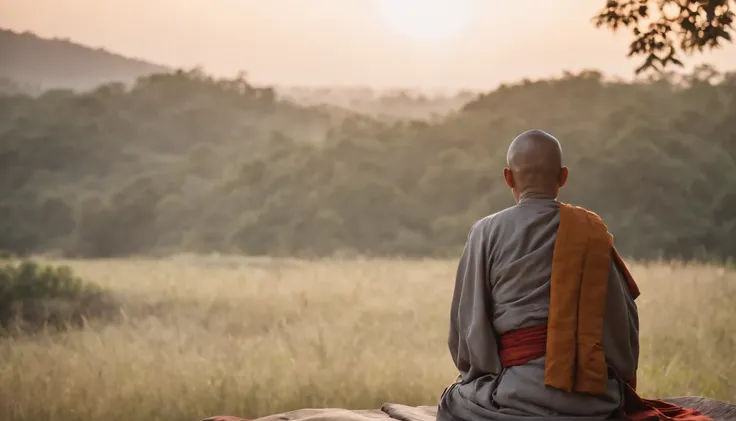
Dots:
{"x": 267, "y": 208}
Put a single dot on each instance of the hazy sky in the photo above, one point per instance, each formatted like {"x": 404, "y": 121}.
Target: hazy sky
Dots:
{"x": 473, "y": 43}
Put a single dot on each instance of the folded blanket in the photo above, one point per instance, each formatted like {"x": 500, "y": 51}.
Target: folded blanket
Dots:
{"x": 716, "y": 410}
{"x": 388, "y": 412}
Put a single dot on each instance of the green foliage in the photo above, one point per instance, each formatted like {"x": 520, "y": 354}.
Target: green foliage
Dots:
{"x": 185, "y": 162}
{"x": 663, "y": 28}
{"x": 34, "y": 296}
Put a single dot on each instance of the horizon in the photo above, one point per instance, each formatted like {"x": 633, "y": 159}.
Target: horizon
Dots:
{"x": 356, "y": 44}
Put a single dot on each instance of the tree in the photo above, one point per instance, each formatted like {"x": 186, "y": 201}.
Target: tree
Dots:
{"x": 662, "y": 29}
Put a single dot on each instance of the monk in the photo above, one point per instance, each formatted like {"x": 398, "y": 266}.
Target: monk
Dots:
{"x": 543, "y": 321}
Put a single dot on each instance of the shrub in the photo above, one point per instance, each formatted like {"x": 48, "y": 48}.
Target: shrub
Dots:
{"x": 35, "y": 296}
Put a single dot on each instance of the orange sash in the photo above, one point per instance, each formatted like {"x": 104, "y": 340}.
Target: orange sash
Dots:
{"x": 581, "y": 259}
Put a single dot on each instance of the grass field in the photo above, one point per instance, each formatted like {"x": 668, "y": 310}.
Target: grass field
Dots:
{"x": 202, "y": 335}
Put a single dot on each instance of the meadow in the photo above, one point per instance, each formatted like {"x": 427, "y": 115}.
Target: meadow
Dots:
{"x": 205, "y": 335}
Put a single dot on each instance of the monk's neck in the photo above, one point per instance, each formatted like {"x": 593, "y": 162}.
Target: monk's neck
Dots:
{"x": 536, "y": 197}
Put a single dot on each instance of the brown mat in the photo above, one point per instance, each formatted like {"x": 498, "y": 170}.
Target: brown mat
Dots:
{"x": 717, "y": 410}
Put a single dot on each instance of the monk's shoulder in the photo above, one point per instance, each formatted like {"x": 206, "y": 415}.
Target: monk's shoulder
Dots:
{"x": 592, "y": 217}
{"x": 496, "y": 219}
{"x": 490, "y": 224}
{"x": 582, "y": 210}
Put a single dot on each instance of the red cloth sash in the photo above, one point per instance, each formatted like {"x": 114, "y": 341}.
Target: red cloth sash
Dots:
{"x": 523, "y": 345}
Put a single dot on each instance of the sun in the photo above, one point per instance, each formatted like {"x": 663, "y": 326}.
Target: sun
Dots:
{"x": 426, "y": 19}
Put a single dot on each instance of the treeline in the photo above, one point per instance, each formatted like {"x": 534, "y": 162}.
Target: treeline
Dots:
{"x": 391, "y": 104}
{"x": 183, "y": 162}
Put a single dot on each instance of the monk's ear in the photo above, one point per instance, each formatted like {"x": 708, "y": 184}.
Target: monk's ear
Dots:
{"x": 509, "y": 177}
{"x": 563, "y": 176}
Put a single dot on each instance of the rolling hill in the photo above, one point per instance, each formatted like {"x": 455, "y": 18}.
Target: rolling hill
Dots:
{"x": 39, "y": 64}
{"x": 31, "y": 64}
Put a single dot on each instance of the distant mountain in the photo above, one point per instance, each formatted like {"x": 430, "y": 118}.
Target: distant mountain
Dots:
{"x": 31, "y": 64}
{"x": 37, "y": 63}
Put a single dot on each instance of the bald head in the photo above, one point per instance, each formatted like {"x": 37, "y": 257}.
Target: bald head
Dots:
{"x": 535, "y": 161}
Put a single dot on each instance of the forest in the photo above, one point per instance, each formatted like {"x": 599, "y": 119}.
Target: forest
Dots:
{"x": 184, "y": 162}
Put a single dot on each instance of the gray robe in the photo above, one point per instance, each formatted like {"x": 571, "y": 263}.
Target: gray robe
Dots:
{"x": 503, "y": 284}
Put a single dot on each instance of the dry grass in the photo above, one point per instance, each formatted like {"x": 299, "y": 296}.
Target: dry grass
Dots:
{"x": 203, "y": 336}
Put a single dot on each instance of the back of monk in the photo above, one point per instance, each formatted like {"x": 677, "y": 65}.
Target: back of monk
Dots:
{"x": 543, "y": 322}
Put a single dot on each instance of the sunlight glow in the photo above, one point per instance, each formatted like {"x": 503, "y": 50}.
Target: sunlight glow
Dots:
{"x": 426, "y": 19}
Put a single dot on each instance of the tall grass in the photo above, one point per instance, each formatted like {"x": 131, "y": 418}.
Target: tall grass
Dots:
{"x": 250, "y": 337}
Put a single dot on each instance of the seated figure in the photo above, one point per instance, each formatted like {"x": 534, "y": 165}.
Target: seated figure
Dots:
{"x": 543, "y": 319}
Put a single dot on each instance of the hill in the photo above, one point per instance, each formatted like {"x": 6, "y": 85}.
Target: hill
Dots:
{"x": 38, "y": 63}
{"x": 32, "y": 64}
{"x": 186, "y": 162}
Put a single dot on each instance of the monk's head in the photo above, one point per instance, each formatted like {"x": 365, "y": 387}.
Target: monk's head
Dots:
{"x": 535, "y": 165}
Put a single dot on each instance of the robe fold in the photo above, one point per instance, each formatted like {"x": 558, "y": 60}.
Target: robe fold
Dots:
{"x": 543, "y": 322}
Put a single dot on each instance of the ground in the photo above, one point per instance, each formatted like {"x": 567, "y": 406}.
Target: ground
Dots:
{"x": 199, "y": 336}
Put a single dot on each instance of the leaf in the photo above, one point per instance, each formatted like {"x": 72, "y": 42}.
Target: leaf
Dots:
{"x": 720, "y": 32}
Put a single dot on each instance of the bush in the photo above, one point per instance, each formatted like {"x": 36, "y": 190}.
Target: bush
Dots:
{"x": 35, "y": 296}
